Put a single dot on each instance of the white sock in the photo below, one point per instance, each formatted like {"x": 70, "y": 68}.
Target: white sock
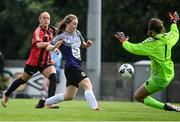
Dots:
{"x": 91, "y": 99}
{"x": 55, "y": 99}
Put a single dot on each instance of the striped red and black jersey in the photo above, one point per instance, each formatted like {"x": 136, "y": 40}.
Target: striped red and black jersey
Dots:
{"x": 40, "y": 56}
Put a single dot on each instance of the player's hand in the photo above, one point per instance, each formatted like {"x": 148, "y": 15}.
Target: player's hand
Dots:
{"x": 174, "y": 17}
{"x": 121, "y": 37}
{"x": 58, "y": 44}
{"x": 56, "y": 50}
{"x": 89, "y": 43}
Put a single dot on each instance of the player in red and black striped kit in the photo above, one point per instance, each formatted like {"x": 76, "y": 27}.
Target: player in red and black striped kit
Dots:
{"x": 39, "y": 59}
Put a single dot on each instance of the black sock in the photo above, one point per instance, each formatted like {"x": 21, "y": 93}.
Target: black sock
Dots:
{"x": 14, "y": 86}
{"x": 52, "y": 85}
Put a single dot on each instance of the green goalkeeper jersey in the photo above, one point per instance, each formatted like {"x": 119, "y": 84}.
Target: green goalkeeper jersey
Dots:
{"x": 158, "y": 49}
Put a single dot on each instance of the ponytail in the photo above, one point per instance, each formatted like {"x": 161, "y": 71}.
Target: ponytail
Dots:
{"x": 61, "y": 27}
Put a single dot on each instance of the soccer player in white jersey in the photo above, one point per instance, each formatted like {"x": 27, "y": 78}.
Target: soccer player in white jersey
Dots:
{"x": 69, "y": 41}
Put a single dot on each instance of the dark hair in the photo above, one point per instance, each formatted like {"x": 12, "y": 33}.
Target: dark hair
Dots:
{"x": 155, "y": 25}
{"x": 66, "y": 20}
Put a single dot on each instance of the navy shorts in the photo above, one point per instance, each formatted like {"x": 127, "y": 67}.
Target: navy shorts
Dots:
{"x": 74, "y": 76}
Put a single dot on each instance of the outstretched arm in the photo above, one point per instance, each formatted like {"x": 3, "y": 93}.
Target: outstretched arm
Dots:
{"x": 138, "y": 49}
{"x": 174, "y": 18}
{"x": 51, "y": 47}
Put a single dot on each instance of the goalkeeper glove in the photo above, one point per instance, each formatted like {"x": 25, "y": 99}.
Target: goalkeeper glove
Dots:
{"x": 174, "y": 18}
{"x": 121, "y": 37}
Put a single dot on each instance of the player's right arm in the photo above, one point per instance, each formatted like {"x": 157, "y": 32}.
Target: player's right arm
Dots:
{"x": 174, "y": 32}
{"x": 55, "y": 43}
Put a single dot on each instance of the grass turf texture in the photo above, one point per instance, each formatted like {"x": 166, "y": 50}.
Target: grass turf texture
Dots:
{"x": 23, "y": 110}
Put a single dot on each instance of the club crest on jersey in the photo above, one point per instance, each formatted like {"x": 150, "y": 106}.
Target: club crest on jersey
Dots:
{"x": 83, "y": 74}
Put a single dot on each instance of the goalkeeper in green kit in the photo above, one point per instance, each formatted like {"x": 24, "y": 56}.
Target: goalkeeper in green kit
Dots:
{"x": 158, "y": 48}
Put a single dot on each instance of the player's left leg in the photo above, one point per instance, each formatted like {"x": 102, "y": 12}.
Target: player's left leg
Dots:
{"x": 22, "y": 80}
{"x": 41, "y": 104}
{"x": 143, "y": 95}
{"x": 88, "y": 93}
{"x": 69, "y": 94}
{"x": 50, "y": 73}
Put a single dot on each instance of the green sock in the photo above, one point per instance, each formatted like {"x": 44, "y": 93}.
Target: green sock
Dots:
{"x": 149, "y": 101}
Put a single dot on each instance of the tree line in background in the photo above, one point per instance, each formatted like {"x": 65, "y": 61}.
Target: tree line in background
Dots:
{"x": 19, "y": 18}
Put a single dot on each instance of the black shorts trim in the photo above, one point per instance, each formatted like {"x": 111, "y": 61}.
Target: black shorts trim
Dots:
{"x": 31, "y": 70}
{"x": 74, "y": 76}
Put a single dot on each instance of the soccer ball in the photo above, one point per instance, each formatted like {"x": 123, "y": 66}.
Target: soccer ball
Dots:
{"x": 126, "y": 71}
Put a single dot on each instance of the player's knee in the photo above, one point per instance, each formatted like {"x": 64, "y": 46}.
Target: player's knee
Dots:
{"x": 87, "y": 88}
{"x": 86, "y": 85}
{"x": 138, "y": 98}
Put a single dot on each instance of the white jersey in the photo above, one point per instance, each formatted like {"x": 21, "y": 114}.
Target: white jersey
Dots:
{"x": 70, "y": 47}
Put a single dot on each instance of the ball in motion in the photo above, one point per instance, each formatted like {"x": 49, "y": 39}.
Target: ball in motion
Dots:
{"x": 127, "y": 71}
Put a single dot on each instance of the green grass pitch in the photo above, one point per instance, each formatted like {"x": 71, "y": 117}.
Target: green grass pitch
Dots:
{"x": 23, "y": 110}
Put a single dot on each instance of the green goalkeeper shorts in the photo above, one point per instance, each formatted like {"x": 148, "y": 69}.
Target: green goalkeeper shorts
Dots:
{"x": 153, "y": 86}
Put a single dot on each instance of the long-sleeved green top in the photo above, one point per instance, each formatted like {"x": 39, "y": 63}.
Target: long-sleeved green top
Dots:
{"x": 158, "y": 49}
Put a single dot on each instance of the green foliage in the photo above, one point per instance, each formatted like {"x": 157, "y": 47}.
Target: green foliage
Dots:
{"x": 131, "y": 17}
{"x": 19, "y": 18}
{"x": 23, "y": 110}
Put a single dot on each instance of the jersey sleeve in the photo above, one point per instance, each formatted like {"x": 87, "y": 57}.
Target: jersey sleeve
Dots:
{"x": 144, "y": 48}
{"x": 80, "y": 35}
{"x": 57, "y": 38}
{"x": 174, "y": 34}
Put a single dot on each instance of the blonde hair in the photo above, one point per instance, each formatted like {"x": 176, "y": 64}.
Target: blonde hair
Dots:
{"x": 66, "y": 20}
